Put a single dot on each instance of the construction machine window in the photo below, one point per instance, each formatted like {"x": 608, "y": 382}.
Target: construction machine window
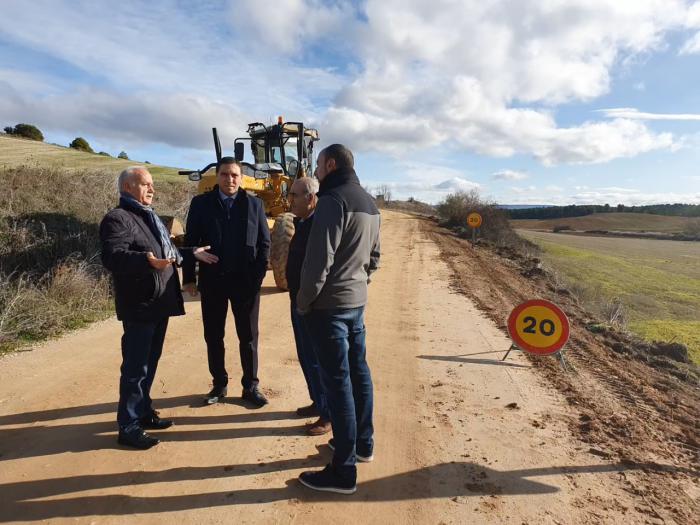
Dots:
{"x": 290, "y": 156}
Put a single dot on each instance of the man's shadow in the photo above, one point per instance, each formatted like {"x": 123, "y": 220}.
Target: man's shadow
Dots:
{"x": 456, "y": 480}
{"x": 43, "y": 440}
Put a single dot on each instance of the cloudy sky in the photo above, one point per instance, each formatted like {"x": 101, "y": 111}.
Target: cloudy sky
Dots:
{"x": 529, "y": 101}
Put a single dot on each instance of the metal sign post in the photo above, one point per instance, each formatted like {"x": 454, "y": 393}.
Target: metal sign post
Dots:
{"x": 474, "y": 221}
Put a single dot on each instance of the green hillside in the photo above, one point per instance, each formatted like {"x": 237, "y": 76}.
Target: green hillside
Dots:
{"x": 16, "y": 152}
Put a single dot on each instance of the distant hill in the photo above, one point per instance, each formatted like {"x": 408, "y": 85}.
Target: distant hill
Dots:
{"x": 15, "y": 152}
{"x": 619, "y": 222}
{"x": 523, "y": 206}
{"x": 574, "y": 210}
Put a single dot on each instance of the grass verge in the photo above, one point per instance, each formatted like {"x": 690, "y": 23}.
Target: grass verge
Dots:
{"x": 660, "y": 305}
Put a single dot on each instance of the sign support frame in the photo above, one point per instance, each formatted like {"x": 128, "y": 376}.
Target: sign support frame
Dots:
{"x": 559, "y": 353}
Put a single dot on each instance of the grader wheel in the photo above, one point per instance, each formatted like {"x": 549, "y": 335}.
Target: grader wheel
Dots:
{"x": 282, "y": 233}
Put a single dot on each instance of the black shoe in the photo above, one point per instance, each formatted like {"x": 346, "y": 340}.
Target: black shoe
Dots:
{"x": 362, "y": 458}
{"x": 255, "y": 396}
{"x": 154, "y": 422}
{"x": 328, "y": 481}
{"x": 308, "y": 411}
{"x": 216, "y": 395}
{"x": 137, "y": 438}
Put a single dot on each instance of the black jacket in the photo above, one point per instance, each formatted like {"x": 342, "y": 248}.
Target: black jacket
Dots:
{"x": 205, "y": 227}
{"x": 297, "y": 251}
{"x": 141, "y": 293}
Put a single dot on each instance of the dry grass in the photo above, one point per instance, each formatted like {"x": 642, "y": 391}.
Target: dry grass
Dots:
{"x": 16, "y": 152}
{"x": 51, "y": 279}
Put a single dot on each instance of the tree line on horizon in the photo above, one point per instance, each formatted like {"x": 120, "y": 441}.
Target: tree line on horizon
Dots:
{"x": 581, "y": 210}
{"x": 31, "y": 132}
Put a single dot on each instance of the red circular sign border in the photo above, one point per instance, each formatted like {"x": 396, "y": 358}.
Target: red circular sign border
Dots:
{"x": 481, "y": 220}
{"x": 549, "y": 350}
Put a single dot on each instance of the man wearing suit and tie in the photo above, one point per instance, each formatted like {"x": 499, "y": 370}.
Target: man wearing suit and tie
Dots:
{"x": 233, "y": 223}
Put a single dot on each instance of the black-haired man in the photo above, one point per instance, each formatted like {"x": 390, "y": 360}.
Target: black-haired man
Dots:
{"x": 342, "y": 252}
{"x": 233, "y": 223}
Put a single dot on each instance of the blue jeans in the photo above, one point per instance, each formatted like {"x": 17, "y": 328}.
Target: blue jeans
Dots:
{"x": 142, "y": 345}
{"x": 309, "y": 362}
{"x": 339, "y": 343}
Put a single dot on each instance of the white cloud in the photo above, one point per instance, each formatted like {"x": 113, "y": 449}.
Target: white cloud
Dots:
{"x": 610, "y": 195}
{"x": 478, "y": 75}
{"x": 289, "y": 25}
{"x": 179, "y": 69}
{"x": 509, "y": 175}
{"x": 177, "y": 119}
{"x": 635, "y": 114}
{"x": 429, "y": 183}
{"x": 386, "y": 76}
{"x": 631, "y": 197}
{"x": 692, "y": 21}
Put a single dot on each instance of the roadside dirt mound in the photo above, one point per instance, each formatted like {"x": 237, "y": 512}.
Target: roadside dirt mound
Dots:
{"x": 641, "y": 411}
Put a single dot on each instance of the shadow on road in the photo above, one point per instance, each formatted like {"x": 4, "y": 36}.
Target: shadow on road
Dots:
{"x": 458, "y": 480}
{"x": 43, "y": 440}
{"x": 471, "y": 360}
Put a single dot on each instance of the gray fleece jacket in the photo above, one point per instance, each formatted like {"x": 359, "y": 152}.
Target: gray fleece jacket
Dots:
{"x": 343, "y": 247}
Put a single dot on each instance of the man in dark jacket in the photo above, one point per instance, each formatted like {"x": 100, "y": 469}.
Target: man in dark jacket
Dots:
{"x": 342, "y": 252}
{"x": 302, "y": 201}
{"x": 136, "y": 248}
{"x": 234, "y": 225}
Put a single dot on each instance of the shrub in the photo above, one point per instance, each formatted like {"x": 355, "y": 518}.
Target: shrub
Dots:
{"x": 28, "y": 131}
{"x": 457, "y": 206}
{"x": 8, "y": 130}
{"x": 104, "y": 154}
{"x": 123, "y": 155}
{"x": 561, "y": 228}
{"x": 50, "y": 276}
{"x": 81, "y": 144}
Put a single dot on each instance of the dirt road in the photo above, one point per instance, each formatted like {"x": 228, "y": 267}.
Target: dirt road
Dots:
{"x": 461, "y": 437}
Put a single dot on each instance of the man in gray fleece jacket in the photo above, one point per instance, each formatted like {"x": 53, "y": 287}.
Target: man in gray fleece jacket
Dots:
{"x": 342, "y": 253}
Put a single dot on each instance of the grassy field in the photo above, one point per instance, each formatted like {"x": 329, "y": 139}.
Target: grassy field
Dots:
{"x": 627, "y": 222}
{"x": 658, "y": 282}
{"x": 15, "y": 152}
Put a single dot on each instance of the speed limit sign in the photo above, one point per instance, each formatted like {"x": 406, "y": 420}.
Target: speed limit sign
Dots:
{"x": 538, "y": 327}
{"x": 474, "y": 220}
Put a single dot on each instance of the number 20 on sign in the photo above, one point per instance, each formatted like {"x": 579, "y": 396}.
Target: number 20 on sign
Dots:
{"x": 538, "y": 327}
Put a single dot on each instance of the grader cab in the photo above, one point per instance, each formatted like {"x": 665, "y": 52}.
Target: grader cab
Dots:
{"x": 281, "y": 153}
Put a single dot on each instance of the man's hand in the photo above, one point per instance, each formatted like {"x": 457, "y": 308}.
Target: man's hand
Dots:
{"x": 158, "y": 264}
{"x": 190, "y": 288}
{"x": 201, "y": 254}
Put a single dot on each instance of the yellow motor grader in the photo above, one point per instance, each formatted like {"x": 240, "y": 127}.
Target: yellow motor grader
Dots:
{"x": 281, "y": 153}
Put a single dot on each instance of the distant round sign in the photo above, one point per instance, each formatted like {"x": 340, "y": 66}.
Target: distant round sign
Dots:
{"x": 474, "y": 220}
{"x": 538, "y": 327}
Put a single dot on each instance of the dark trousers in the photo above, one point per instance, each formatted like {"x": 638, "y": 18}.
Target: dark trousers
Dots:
{"x": 339, "y": 343}
{"x": 309, "y": 362}
{"x": 215, "y": 303}
{"x": 142, "y": 345}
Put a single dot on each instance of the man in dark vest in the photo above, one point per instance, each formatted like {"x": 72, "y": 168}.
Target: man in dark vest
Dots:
{"x": 233, "y": 224}
{"x": 136, "y": 248}
{"x": 302, "y": 200}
